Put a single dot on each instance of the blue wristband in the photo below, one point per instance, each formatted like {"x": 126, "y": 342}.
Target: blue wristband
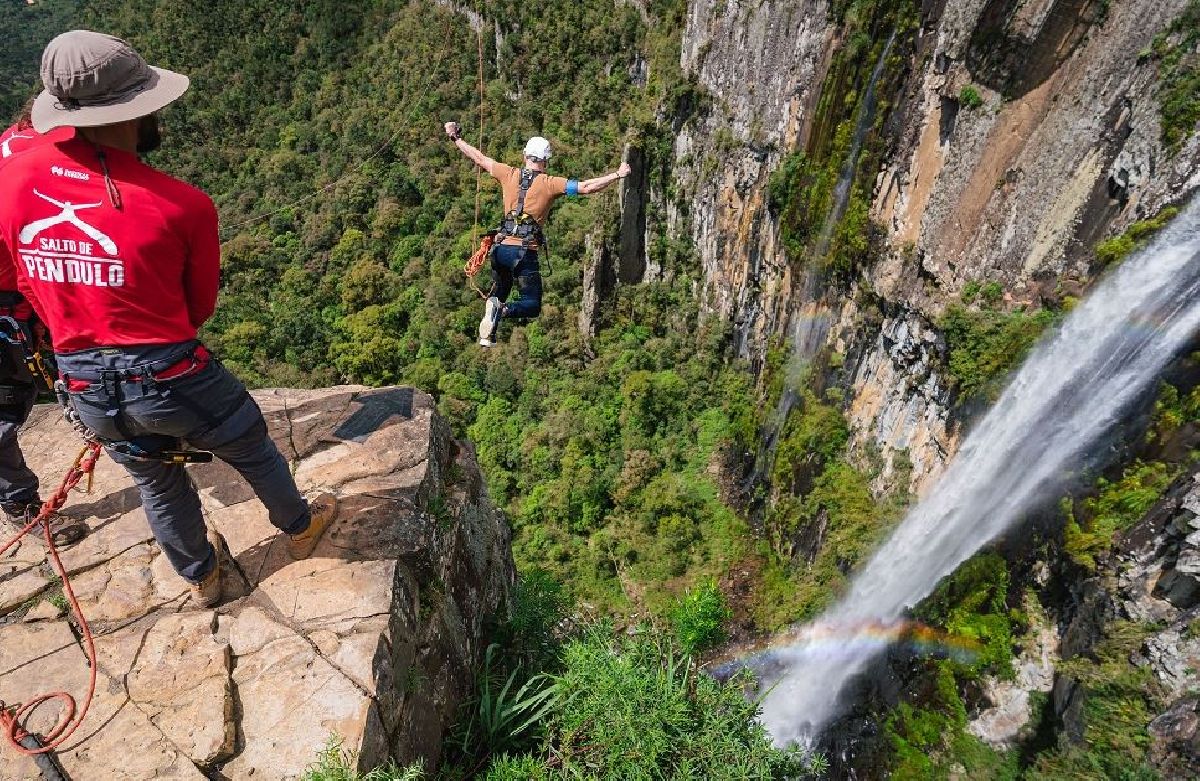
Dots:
{"x": 572, "y": 187}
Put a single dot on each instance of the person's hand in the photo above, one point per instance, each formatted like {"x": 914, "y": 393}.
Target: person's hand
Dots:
{"x": 452, "y": 130}
{"x": 624, "y": 170}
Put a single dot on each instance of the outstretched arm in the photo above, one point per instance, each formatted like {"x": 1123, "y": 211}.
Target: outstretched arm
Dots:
{"x": 475, "y": 156}
{"x": 592, "y": 186}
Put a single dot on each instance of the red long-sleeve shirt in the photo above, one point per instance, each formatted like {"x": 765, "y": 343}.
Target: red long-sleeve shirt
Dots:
{"x": 98, "y": 276}
{"x": 13, "y": 141}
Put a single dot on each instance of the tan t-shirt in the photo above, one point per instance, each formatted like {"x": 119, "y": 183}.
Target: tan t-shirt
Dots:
{"x": 542, "y": 193}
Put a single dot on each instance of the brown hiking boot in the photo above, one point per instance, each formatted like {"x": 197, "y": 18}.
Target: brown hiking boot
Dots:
{"x": 323, "y": 509}
{"x": 207, "y": 593}
{"x": 65, "y": 530}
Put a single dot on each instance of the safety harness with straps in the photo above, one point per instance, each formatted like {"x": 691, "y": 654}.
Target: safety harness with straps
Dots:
{"x": 522, "y": 225}
{"x": 517, "y": 222}
{"x": 143, "y": 379}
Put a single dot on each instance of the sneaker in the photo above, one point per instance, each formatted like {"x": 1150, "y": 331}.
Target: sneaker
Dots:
{"x": 207, "y": 593}
{"x": 491, "y": 319}
{"x": 323, "y": 510}
{"x": 65, "y": 530}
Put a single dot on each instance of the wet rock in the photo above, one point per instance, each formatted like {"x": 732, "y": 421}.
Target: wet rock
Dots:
{"x": 1090, "y": 617}
{"x": 375, "y": 638}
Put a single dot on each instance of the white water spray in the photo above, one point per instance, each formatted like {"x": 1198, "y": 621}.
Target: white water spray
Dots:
{"x": 1073, "y": 390}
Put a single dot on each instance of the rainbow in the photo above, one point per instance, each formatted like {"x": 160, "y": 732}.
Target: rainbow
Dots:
{"x": 830, "y": 640}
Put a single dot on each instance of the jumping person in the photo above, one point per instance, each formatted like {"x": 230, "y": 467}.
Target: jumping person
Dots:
{"x": 122, "y": 262}
{"x": 528, "y": 195}
{"x": 19, "y": 497}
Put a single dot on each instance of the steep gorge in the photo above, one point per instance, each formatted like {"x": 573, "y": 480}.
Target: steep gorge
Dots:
{"x": 1013, "y": 140}
{"x": 1016, "y": 149}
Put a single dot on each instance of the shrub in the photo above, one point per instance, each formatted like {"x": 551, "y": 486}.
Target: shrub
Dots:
{"x": 699, "y": 617}
{"x": 538, "y": 605}
{"x": 971, "y": 604}
{"x": 969, "y": 97}
{"x": 633, "y": 708}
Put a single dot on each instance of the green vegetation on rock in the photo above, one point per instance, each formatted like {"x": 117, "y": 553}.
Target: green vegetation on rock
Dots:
{"x": 1179, "y": 76}
{"x": 1119, "y": 700}
{"x": 969, "y": 97}
{"x": 1112, "y": 251}
{"x": 1117, "y": 506}
{"x": 802, "y": 188}
{"x": 986, "y": 344}
{"x": 335, "y": 763}
{"x": 604, "y": 704}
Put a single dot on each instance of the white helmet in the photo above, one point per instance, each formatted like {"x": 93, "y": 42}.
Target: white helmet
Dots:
{"x": 538, "y": 148}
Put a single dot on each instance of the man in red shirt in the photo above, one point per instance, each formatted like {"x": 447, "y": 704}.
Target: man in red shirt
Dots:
{"x": 19, "y": 497}
{"x": 122, "y": 263}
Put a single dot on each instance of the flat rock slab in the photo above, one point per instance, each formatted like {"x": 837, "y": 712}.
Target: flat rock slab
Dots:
{"x": 373, "y": 639}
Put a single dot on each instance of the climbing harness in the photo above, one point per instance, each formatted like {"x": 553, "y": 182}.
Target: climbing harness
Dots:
{"x": 152, "y": 377}
{"x": 519, "y": 223}
{"x": 12, "y": 332}
{"x": 12, "y": 717}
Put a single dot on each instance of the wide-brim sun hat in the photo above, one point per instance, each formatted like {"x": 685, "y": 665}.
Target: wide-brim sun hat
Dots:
{"x": 94, "y": 79}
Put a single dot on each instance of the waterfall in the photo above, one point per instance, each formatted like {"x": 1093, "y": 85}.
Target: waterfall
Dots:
{"x": 1050, "y": 422}
{"x": 811, "y": 321}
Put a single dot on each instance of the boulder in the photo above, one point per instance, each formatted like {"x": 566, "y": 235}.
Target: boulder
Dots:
{"x": 1175, "y": 750}
{"x": 373, "y": 640}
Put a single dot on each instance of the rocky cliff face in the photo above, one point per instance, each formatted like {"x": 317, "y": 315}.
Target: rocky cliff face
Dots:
{"x": 1063, "y": 149}
{"x": 1014, "y": 136}
{"x": 374, "y": 639}
{"x": 766, "y": 63}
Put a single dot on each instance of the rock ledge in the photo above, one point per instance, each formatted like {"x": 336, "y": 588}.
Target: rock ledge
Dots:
{"x": 373, "y": 639}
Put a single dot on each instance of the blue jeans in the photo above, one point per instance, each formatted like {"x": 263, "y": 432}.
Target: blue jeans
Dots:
{"x": 509, "y": 267}
{"x": 210, "y": 410}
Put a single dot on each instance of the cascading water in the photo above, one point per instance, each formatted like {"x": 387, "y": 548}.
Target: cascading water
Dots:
{"x": 1073, "y": 390}
{"x": 811, "y": 324}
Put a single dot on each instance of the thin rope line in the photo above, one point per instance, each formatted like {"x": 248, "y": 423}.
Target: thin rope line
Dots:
{"x": 345, "y": 175}
{"x": 478, "y": 171}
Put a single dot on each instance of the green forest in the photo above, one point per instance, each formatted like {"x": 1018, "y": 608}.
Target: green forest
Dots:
{"x": 346, "y": 219}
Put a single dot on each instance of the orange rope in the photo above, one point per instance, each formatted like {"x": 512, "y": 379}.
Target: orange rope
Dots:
{"x": 11, "y": 719}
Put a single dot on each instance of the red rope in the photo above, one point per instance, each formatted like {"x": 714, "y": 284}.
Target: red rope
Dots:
{"x": 11, "y": 718}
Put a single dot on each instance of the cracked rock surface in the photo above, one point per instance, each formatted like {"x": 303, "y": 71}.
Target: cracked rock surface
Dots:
{"x": 373, "y": 639}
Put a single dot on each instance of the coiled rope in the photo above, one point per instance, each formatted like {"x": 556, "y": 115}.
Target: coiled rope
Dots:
{"x": 12, "y": 717}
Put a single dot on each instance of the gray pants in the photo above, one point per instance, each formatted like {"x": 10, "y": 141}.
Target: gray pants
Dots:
{"x": 210, "y": 410}
{"x": 18, "y": 483}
